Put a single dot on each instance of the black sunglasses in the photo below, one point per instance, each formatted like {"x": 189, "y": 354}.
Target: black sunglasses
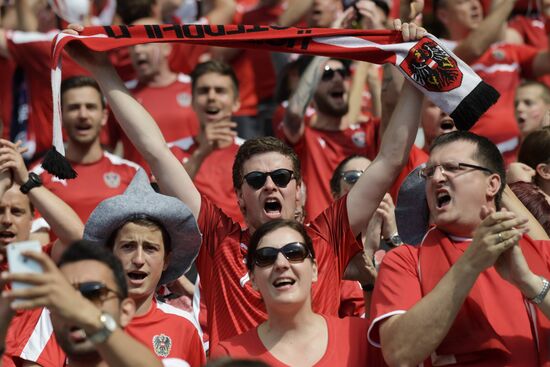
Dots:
{"x": 295, "y": 252}
{"x": 281, "y": 177}
{"x": 351, "y": 177}
{"x": 96, "y": 292}
{"x": 329, "y": 73}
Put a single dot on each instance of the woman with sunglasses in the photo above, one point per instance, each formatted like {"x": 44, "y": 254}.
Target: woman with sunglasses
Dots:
{"x": 282, "y": 267}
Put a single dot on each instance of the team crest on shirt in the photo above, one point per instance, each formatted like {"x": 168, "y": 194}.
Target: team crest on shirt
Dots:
{"x": 162, "y": 345}
{"x": 358, "y": 139}
{"x": 498, "y": 54}
{"x": 183, "y": 99}
{"x": 112, "y": 179}
{"x": 430, "y": 66}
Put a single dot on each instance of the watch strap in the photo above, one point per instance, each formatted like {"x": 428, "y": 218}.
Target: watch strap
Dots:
{"x": 109, "y": 325}
{"x": 33, "y": 181}
{"x": 543, "y": 292}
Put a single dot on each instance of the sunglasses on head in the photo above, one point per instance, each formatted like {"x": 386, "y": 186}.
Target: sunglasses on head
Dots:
{"x": 281, "y": 177}
{"x": 294, "y": 252}
{"x": 329, "y": 73}
{"x": 351, "y": 177}
{"x": 96, "y": 292}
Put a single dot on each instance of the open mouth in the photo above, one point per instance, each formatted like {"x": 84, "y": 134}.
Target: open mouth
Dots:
{"x": 7, "y": 235}
{"x": 521, "y": 120}
{"x": 283, "y": 282}
{"x": 447, "y": 125}
{"x": 272, "y": 206}
{"x": 443, "y": 199}
{"x": 136, "y": 275}
{"x": 212, "y": 110}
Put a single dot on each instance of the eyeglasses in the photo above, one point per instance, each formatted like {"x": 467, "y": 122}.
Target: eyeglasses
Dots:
{"x": 449, "y": 168}
{"x": 294, "y": 252}
{"x": 329, "y": 73}
{"x": 96, "y": 292}
{"x": 351, "y": 177}
{"x": 281, "y": 177}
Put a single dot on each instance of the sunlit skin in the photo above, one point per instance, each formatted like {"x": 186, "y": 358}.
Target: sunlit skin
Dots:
{"x": 15, "y": 217}
{"x": 435, "y": 122}
{"x": 214, "y": 98}
{"x": 83, "y": 115}
{"x": 141, "y": 252}
{"x": 253, "y": 202}
{"x": 530, "y": 108}
{"x": 73, "y": 340}
{"x": 323, "y": 13}
{"x": 468, "y": 190}
{"x": 460, "y": 16}
{"x": 355, "y": 164}
{"x": 331, "y": 96}
{"x": 290, "y": 298}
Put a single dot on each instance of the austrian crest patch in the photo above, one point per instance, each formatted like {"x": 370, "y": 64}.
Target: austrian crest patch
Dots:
{"x": 162, "y": 345}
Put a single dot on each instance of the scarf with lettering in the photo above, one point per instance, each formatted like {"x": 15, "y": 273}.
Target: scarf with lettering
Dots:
{"x": 435, "y": 70}
{"x": 472, "y": 335}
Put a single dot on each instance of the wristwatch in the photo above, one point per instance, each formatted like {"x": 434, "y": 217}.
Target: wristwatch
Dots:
{"x": 394, "y": 240}
{"x": 543, "y": 292}
{"x": 33, "y": 181}
{"x": 109, "y": 325}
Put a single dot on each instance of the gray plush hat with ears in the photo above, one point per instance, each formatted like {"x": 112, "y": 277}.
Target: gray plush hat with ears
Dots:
{"x": 140, "y": 200}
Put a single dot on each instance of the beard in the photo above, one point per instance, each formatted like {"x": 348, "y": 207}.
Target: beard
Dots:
{"x": 330, "y": 108}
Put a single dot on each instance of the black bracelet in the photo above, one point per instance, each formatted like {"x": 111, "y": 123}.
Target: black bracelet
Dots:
{"x": 367, "y": 287}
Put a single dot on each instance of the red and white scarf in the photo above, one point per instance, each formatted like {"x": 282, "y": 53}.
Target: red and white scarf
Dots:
{"x": 435, "y": 70}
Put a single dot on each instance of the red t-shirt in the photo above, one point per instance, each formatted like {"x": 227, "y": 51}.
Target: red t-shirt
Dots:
{"x": 502, "y": 66}
{"x": 32, "y": 339}
{"x": 398, "y": 289}
{"x": 215, "y": 176}
{"x": 352, "y": 300}
{"x": 170, "y": 107}
{"x": 320, "y": 151}
{"x": 233, "y": 305}
{"x": 31, "y": 51}
{"x": 347, "y": 345}
{"x": 6, "y": 95}
{"x": 533, "y": 33}
{"x": 95, "y": 182}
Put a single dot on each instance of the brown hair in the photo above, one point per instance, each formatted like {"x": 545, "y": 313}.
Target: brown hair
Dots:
{"x": 534, "y": 200}
{"x": 261, "y": 145}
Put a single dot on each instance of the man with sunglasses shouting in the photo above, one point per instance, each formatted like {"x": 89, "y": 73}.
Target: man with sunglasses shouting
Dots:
{"x": 267, "y": 182}
{"x": 87, "y": 298}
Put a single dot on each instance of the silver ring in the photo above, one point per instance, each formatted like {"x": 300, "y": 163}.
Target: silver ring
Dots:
{"x": 500, "y": 239}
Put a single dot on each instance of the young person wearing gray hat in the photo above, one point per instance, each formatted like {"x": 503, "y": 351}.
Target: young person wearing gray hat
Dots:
{"x": 266, "y": 178}
{"x": 156, "y": 239}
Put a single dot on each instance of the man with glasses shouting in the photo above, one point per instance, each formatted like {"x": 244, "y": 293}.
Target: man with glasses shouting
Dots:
{"x": 267, "y": 182}
{"x": 475, "y": 291}
{"x": 87, "y": 298}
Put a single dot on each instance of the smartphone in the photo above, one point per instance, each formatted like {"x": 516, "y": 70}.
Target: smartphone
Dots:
{"x": 22, "y": 264}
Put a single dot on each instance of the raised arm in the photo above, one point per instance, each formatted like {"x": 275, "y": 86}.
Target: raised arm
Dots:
{"x": 140, "y": 128}
{"x": 293, "y": 123}
{"x": 487, "y": 33}
{"x": 63, "y": 220}
{"x": 541, "y": 63}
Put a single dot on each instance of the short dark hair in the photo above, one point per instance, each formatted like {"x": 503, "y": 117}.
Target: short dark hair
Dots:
{"x": 271, "y": 226}
{"x": 81, "y": 81}
{"x": 335, "y": 182}
{"x": 214, "y": 66}
{"x": 261, "y": 145}
{"x": 132, "y": 10}
{"x": 535, "y": 148}
{"x": 487, "y": 154}
{"x": 145, "y": 221}
{"x": 87, "y": 250}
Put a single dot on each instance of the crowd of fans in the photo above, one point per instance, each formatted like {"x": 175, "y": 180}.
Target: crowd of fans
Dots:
{"x": 240, "y": 207}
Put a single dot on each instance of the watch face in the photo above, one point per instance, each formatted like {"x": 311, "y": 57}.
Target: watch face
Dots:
{"x": 396, "y": 240}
